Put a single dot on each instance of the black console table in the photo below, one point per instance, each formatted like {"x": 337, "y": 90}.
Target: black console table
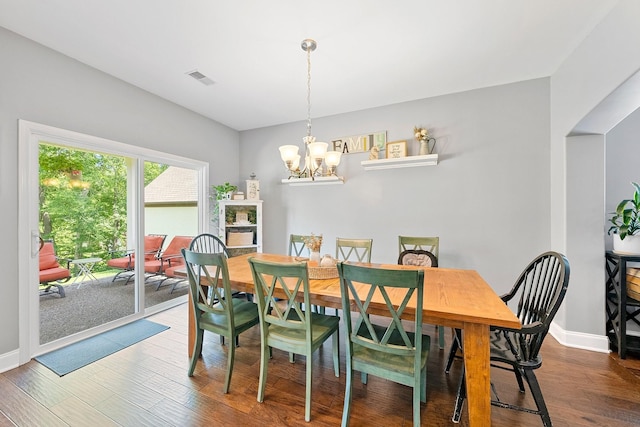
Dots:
{"x": 620, "y": 308}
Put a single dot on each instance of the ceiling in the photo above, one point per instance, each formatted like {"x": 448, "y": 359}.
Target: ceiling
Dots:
{"x": 370, "y": 52}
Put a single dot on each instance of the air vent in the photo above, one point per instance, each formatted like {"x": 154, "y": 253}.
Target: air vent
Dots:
{"x": 200, "y": 77}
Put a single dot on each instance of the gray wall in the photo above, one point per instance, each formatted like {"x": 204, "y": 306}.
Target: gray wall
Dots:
{"x": 597, "y": 67}
{"x": 487, "y": 199}
{"x": 622, "y": 168}
{"x": 622, "y": 154}
{"x": 40, "y": 85}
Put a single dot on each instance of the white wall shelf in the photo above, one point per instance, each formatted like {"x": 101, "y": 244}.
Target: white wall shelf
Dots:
{"x": 319, "y": 180}
{"x": 401, "y": 162}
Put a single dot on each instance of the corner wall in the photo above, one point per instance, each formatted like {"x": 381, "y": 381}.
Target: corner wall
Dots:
{"x": 605, "y": 59}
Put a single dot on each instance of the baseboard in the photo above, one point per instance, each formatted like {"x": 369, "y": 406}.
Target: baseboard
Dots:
{"x": 9, "y": 361}
{"x": 599, "y": 343}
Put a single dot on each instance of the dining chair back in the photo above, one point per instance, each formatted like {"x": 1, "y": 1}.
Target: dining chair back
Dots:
{"x": 353, "y": 249}
{"x": 417, "y": 257}
{"x": 296, "y": 244}
{"x": 422, "y": 258}
{"x": 388, "y": 351}
{"x": 284, "y": 324}
{"x": 208, "y": 243}
{"x": 536, "y": 298}
{"x": 431, "y": 244}
{"x": 228, "y": 317}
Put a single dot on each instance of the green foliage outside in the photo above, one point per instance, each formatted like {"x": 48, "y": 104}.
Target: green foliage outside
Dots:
{"x": 83, "y": 201}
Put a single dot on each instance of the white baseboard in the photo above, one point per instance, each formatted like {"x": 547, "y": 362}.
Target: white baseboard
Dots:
{"x": 599, "y": 343}
{"x": 9, "y": 361}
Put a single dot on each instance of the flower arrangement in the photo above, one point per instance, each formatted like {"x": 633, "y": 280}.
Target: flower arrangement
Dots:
{"x": 421, "y": 134}
{"x": 313, "y": 242}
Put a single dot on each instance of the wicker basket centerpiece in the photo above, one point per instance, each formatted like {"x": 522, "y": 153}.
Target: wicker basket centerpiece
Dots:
{"x": 317, "y": 272}
{"x": 326, "y": 270}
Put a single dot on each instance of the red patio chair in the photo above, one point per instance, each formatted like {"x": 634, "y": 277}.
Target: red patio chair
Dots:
{"x": 170, "y": 259}
{"x": 152, "y": 248}
{"x": 51, "y": 270}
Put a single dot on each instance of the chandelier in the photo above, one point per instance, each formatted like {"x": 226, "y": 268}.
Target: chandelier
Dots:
{"x": 315, "y": 153}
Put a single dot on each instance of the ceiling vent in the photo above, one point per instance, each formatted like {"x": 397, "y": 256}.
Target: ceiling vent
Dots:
{"x": 200, "y": 77}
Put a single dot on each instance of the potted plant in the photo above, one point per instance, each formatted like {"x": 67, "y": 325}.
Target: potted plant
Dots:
{"x": 625, "y": 224}
{"x": 224, "y": 191}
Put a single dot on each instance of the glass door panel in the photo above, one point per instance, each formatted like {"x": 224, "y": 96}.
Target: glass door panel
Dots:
{"x": 83, "y": 219}
{"x": 170, "y": 210}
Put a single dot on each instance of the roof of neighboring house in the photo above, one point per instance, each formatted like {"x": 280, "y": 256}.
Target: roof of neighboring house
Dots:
{"x": 174, "y": 185}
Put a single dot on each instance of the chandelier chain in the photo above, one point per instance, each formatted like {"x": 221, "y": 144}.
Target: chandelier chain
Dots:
{"x": 309, "y": 92}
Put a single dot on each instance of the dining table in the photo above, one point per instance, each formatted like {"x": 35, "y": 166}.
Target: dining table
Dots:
{"x": 452, "y": 297}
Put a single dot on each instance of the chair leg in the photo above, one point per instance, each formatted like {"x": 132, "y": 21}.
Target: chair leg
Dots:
{"x": 60, "y": 290}
{"x": 416, "y": 403}
{"x": 537, "y": 397}
{"x": 423, "y": 385}
{"x": 265, "y": 354}
{"x": 519, "y": 379}
{"x": 455, "y": 345}
{"x": 307, "y": 398}
{"x": 230, "y": 359}
{"x": 460, "y": 397}
{"x": 346, "y": 409}
{"x": 336, "y": 354}
{"x": 197, "y": 349}
{"x": 440, "y": 337}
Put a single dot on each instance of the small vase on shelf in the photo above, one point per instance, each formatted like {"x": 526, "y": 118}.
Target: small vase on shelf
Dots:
{"x": 424, "y": 148}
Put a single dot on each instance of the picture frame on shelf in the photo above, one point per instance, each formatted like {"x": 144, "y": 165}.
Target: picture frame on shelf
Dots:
{"x": 396, "y": 149}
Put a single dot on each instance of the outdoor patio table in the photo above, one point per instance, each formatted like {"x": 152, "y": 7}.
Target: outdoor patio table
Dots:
{"x": 455, "y": 298}
{"x": 86, "y": 269}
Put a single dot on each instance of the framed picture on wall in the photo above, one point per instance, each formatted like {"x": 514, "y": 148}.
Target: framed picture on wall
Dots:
{"x": 396, "y": 149}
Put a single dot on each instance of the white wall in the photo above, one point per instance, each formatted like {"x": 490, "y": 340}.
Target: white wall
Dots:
{"x": 40, "y": 85}
{"x": 487, "y": 199}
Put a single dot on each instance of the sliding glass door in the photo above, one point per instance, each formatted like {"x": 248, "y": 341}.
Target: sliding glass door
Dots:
{"x": 91, "y": 209}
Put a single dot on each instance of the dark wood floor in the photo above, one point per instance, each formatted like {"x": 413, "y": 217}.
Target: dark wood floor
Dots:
{"x": 146, "y": 385}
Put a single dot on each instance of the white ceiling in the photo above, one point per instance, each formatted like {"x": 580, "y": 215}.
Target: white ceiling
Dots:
{"x": 370, "y": 52}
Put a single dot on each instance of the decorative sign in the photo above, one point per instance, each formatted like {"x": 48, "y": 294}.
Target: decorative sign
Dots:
{"x": 360, "y": 143}
{"x": 253, "y": 188}
{"x": 396, "y": 149}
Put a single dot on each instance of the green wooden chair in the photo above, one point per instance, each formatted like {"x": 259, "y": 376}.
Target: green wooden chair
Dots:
{"x": 388, "y": 352}
{"x": 431, "y": 244}
{"x": 296, "y": 244}
{"x": 353, "y": 249}
{"x": 227, "y": 317}
{"x": 284, "y": 324}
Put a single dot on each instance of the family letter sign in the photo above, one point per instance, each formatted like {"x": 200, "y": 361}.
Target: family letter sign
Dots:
{"x": 360, "y": 143}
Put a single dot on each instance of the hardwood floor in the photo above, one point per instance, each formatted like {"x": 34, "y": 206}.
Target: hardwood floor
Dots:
{"x": 146, "y": 385}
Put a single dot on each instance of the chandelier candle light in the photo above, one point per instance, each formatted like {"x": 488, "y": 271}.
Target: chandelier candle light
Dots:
{"x": 315, "y": 152}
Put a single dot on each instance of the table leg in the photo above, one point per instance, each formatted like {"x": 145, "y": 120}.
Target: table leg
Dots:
{"x": 477, "y": 373}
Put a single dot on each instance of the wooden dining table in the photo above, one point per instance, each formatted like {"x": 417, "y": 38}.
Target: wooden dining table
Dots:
{"x": 452, "y": 297}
